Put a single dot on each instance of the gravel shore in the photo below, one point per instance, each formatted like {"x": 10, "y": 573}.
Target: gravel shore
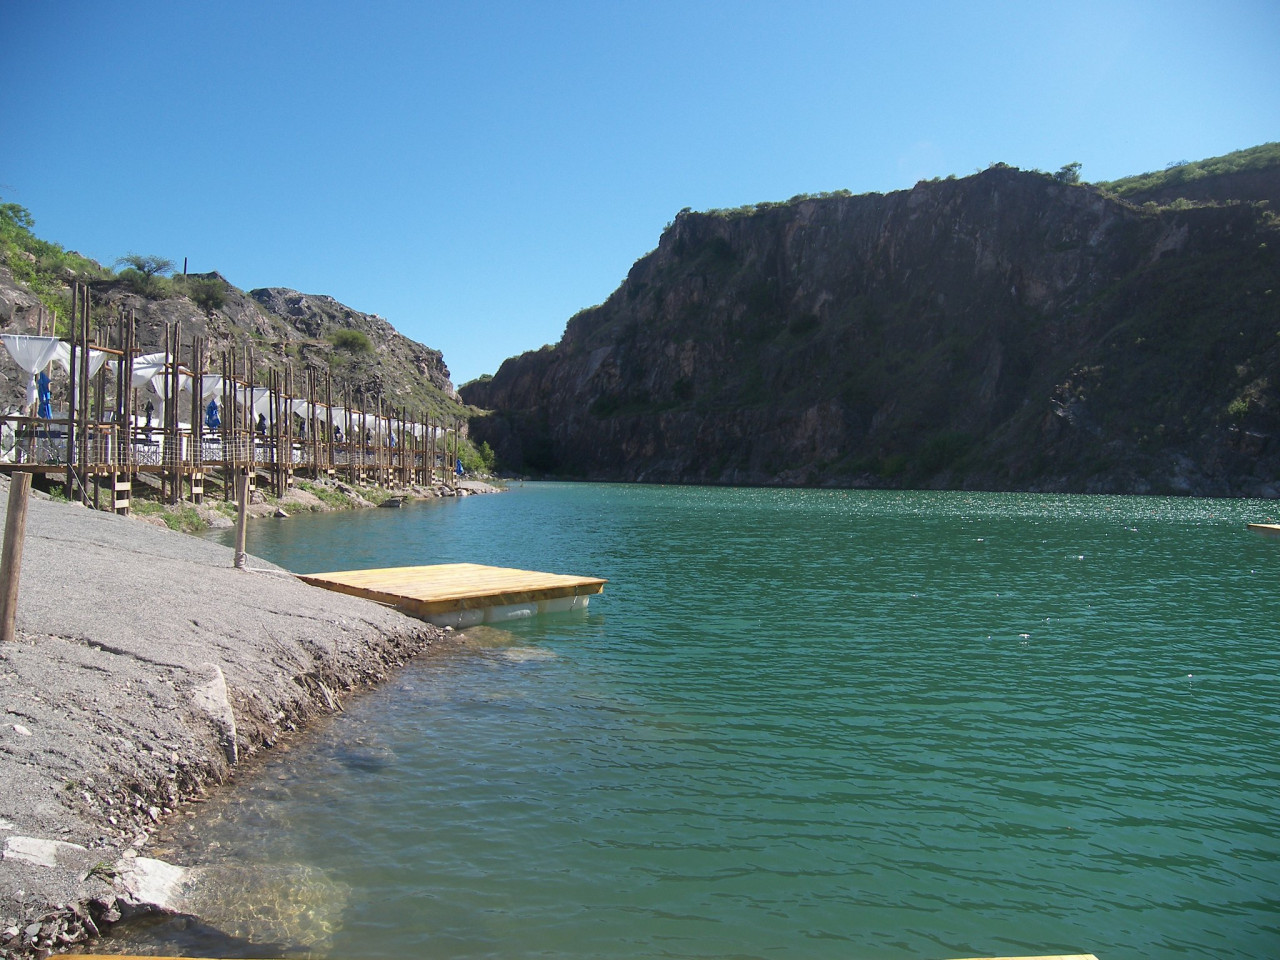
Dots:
{"x": 145, "y": 669}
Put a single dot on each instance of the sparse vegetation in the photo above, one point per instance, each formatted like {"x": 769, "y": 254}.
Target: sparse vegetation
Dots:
{"x": 750, "y": 209}
{"x": 43, "y": 267}
{"x": 183, "y": 517}
{"x": 1263, "y": 157}
{"x": 327, "y": 493}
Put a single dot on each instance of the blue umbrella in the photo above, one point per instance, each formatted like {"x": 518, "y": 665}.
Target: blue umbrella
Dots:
{"x": 211, "y": 418}
{"x": 45, "y": 409}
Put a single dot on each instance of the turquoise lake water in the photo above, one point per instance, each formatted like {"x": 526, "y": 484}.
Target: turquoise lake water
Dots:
{"x": 797, "y": 724}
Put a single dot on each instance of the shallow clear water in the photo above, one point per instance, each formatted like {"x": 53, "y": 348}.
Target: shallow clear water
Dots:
{"x": 797, "y": 724}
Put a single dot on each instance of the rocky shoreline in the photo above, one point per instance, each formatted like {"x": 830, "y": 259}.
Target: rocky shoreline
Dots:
{"x": 320, "y": 496}
{"x": 146, "y": 671}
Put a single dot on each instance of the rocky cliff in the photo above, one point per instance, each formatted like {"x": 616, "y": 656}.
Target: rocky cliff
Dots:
{"x": 1006, "y": 330}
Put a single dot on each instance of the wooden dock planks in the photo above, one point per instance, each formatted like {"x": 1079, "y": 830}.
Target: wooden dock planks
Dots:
{"x": 1266, "y": 529}
{"x": 448, "y": 587}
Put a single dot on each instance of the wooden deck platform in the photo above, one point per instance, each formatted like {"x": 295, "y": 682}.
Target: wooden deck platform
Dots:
{"x": 1266, "y": 529}
{"x": 463, "y": 594}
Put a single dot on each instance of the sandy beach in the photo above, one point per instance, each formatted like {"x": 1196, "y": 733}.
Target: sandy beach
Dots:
{"x": 146, "y": 669}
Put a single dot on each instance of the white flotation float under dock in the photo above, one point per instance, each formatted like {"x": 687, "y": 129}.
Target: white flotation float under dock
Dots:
{"x": 1266, "y": 529}
{"x": 464, "y": 594}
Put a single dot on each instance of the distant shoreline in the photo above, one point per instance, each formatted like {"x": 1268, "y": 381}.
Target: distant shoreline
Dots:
{"x": 216, "y": 514}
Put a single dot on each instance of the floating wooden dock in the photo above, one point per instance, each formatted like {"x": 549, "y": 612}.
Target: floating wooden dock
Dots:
{"x": 463, "y": 594}
{"x": 1266, "y": 529}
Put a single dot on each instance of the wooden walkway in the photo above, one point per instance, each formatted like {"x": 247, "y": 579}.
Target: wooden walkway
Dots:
{"x": 1062, "y": 956}
{"x": 1266, "y": 529}
{"x": 463, "y": 594}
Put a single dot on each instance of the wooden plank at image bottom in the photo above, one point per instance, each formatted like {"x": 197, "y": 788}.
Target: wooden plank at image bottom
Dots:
{"x": 1056, "y": 956}
{"x": 450, "y": 587}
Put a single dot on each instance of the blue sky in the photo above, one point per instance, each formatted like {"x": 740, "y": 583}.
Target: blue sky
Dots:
{"x": 478, "y": 172}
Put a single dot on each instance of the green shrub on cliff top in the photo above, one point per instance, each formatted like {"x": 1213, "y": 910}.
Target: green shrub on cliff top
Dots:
{"x": 208, "y": 293}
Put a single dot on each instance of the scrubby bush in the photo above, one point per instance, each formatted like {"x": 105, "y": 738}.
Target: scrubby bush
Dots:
{"x": 476, "y": 459}
{"x": 351, "y": 341}
{"x": 146, "y": 285}
{"x": 149, "y": 266}
{"x": 145, "y": 275}
{"x": 208, "y": 293}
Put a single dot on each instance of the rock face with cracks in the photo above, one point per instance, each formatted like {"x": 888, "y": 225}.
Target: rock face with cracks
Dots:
{"x": 145, "y": 668}
{"x": 1004, "y": 331}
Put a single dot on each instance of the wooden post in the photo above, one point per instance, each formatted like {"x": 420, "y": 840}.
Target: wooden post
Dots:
{"x": 313, "y": 425}
{"x": 15, "y": 529}
{"x": 71, "y": 390}
{"x": 349, "y": 433}
{"x": 453, "y": 462}
{"x": 379, "y": 445}
{"x": 249, "y": 417}
{"x": 277, "y": 428}
{"x": 101, "y": 447}
{"x": 128, "y": 407}
{"x": 197, "y": 420}
{"x": 227, "y": 430}
{"x": 286, "y": 404}
{"x": 172, "y": 417}
{"x": 242, "y": 515}
{"x": 328, "y": 419}
{"x": 80, "y": 415}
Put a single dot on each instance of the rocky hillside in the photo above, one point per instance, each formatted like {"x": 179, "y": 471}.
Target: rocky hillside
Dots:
{"x": 1007, "y": 330}
{"x": 1246, "y": 176}
{"x": 366, "y": 355}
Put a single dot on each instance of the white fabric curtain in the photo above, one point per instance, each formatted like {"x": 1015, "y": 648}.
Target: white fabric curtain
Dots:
{"x": 158, "y": 385}
{"x": 262, "y": 401}
{"x": 211, "y": 388}
{"x": 96, "y": 358}
{"x": 146, "y": 367}
{"x": 32, "y": 354}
